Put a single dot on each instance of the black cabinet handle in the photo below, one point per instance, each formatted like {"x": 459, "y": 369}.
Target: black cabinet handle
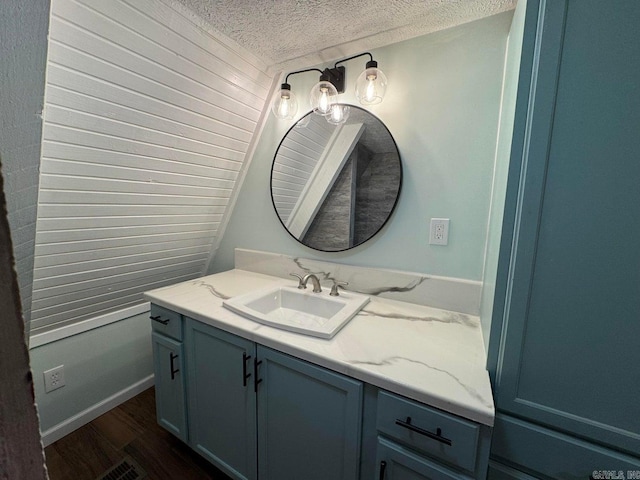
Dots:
{"x": 174, "y": 370}
{"x": 383, "y": 467}
{"x": 256, "y": 380}
{"x": 245, "y": 375}
{"x": 435, "y": 436}
{"x": 159, "y": 319}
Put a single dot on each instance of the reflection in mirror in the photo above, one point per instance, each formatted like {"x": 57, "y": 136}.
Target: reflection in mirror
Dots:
{"x": 335, "y": 186}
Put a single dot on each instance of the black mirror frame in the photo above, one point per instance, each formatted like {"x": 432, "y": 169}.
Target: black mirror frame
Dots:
{"x": 393, "y": 208}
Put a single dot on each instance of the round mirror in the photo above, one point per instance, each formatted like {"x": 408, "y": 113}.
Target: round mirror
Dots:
{"x": 335, "y": 186}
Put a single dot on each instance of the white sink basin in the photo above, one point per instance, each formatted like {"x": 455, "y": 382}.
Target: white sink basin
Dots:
{"x": 301, "y": 311}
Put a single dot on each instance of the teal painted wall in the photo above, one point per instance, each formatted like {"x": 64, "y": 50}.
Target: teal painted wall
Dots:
{"x": 442, "y": 107}
{"x": 503, "y": 154}
{"x": 98, "y": 363}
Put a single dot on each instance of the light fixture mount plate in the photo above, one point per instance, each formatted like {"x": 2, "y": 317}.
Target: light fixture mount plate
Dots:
{"x": 336, "y": 76}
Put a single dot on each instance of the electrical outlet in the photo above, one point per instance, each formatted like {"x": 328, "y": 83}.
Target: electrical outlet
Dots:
{"x": 439, "y": 231}
{"x": 54, "y": 379}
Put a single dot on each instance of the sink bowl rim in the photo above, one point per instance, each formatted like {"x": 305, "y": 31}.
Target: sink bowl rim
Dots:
{"x": 351, "y": 303}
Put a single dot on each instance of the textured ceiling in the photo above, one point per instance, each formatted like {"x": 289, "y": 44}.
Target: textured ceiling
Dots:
{"x": 306, "y": 32}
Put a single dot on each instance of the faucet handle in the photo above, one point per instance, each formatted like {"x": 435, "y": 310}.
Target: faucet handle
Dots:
{"x": 301, "y": 284}
{"x": 334, "y": 288}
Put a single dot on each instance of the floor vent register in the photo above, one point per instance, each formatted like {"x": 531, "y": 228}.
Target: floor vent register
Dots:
{"x": 127, "y": 469}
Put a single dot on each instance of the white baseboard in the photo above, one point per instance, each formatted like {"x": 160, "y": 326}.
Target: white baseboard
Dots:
{"x": 73, "y": 423}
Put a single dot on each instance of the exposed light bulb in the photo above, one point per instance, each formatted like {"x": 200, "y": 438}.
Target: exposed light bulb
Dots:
{"x": 370, "y": 94}
{"x": 323, "y": 102}
{"x": 338, "y": 115}
{"x": 284, "y": 105}
{"x": 322, "y": 97}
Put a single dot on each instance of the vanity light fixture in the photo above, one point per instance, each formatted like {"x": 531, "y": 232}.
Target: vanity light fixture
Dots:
{"x": 371, "y": 86}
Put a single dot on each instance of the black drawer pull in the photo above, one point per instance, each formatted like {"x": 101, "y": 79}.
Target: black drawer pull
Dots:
{"x": 256, "y": 380}
{"x": 435, "y": 436}
{"x": 245, "y": 375}
{"x": 383, "y": 467}
{"x": 159, "y": 319}
{"x": 174, "y": 370}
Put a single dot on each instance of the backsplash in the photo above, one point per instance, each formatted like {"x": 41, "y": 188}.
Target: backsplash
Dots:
{"x": 455, "y": 294}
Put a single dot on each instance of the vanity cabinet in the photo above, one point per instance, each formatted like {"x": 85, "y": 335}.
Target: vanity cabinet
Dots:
{"x": 257, "y": 413}
{"x": 168, "y": 363}
{"x": 254, "y": 409}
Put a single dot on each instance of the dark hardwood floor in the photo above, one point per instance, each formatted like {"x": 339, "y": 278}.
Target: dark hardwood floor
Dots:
{"x": 128, "y": 430}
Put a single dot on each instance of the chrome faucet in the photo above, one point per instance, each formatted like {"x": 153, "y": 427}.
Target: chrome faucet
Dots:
{"x": 334, "y": 288}
{"x": 314, "y": 280}
{"x": 302, "y": 281}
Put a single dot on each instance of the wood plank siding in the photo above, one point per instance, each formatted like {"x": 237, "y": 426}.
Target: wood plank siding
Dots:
{"x": 148, "y": 122}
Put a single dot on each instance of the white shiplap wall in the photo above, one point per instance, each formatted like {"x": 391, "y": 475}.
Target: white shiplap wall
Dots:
{"x": 296, "y": 160}
{"x": 148, "y": 123}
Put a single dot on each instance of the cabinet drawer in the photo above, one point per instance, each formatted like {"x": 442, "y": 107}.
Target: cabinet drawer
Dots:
{"x": 397, "y": 463}
{"x": 438, "y": 434}
{"x": 167, "y": 322}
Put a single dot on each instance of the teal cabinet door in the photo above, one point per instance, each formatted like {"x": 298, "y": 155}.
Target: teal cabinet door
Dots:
{"x": 397, "y": 463}
{"x": 565, "y": 329}
{"x": 309, "y": 420}
{"x": 168, "y": 364}
{"x": 222, "y": 400}
{"x": 572, "y": 317}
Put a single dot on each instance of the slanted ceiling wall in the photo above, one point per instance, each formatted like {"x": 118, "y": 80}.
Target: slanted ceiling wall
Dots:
{"x": 148, "y": 122}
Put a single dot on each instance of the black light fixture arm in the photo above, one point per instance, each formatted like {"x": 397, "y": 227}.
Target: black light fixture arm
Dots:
{"x": 302, "y": 71}
{"x": 351, "y": 58}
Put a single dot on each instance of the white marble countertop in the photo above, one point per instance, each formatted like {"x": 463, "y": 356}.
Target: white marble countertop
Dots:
{"x": 431, "y": 355}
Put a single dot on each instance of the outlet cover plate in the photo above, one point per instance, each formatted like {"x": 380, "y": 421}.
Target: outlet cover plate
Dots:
{"x": 439, "y": 231}
{"x": 54, "y": 379}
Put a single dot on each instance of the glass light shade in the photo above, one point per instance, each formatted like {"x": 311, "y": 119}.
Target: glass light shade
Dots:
{"x": 322, "y": 97}
{"x": 371, "y": 86}
{"x": 285, "y": 104}
{"x": 338, "y": 114}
